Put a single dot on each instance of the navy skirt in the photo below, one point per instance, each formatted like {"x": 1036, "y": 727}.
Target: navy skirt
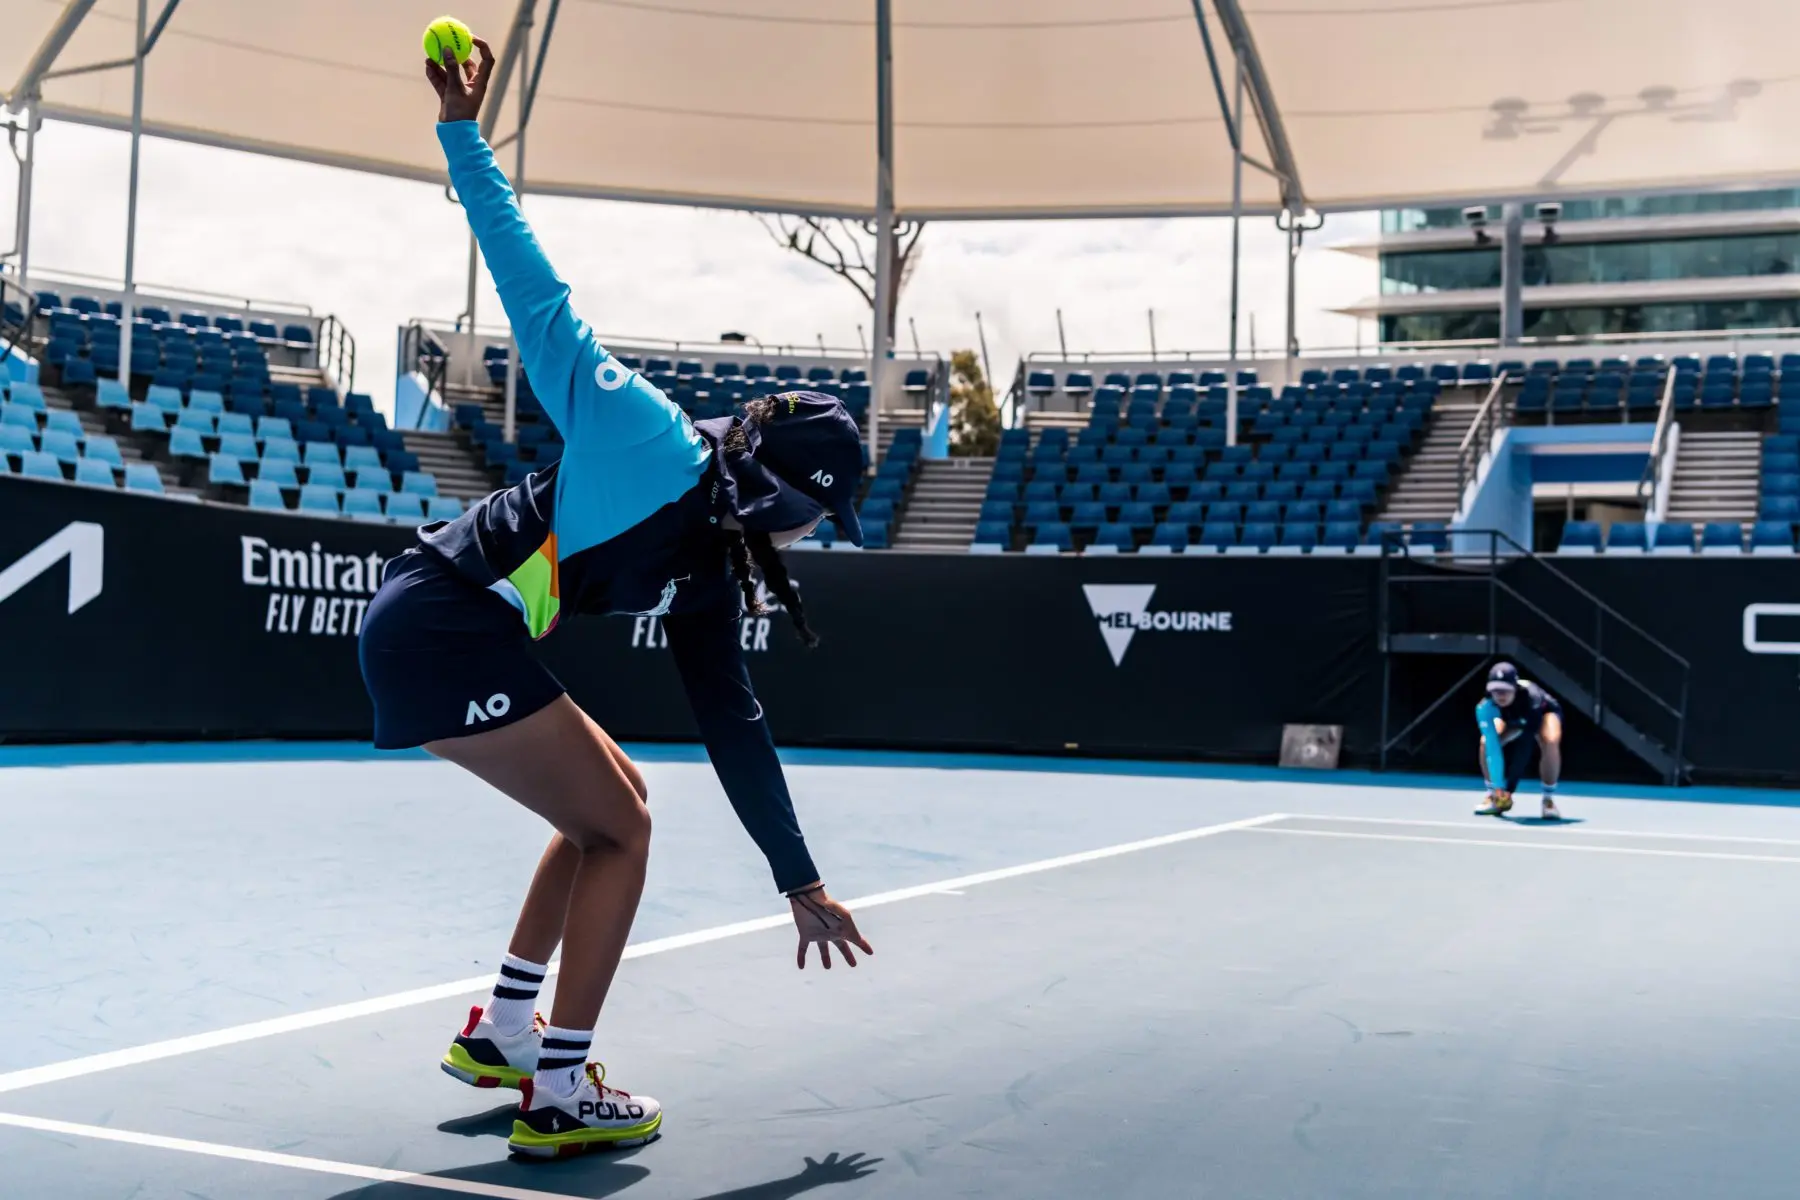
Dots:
{"x": 443, "y": 658}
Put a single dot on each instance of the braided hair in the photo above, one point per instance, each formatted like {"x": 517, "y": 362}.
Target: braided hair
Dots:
{"x": 753, "y": 551}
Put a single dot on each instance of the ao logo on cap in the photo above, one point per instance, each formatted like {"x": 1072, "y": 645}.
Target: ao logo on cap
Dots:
{"x": 822, "y": 479}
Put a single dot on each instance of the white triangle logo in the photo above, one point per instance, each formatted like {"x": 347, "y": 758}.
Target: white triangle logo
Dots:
{"x": 1115, "y": 606}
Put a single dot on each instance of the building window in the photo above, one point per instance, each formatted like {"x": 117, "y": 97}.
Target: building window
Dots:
{"x": 1600, "y": 262}
{"x": 1409, "y": 220}
{"x": 1595, "y": 321}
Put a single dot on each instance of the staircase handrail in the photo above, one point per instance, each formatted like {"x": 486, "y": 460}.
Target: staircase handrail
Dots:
{"x": 1392, "y": 545}
{"x": 421, "y": 351}
{"x": 337, "y": 352}
{"x": 16, "y": 335}
{"x": 1489, "y": 419}
{"x": 1665, "y": 416}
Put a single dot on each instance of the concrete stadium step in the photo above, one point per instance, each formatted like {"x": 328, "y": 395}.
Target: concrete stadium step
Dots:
{"x": 1717, "y": 476}
{"x": 442, "y": 454}
{"x": 1426, "y": 489}
{"x": 945, "y": 503}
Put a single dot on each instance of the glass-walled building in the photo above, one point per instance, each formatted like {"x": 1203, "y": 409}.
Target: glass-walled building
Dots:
{"x": 1631, "y": 265}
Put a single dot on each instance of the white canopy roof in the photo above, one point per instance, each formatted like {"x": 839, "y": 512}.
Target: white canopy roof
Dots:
{"x": 1002, "y": 108}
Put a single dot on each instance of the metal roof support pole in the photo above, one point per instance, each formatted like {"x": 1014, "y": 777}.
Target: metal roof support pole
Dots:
{"x": 1512, "y": 276}
{"x": 26, "y": 172}
{"x": 128, "y": 311}
{"x": 880, "y": 358}
{"x": 1237, "y": 221}
{"x": 510, "y": 423}
{"x": 1293, "y": 259}
{"x": 1262, "y": 99}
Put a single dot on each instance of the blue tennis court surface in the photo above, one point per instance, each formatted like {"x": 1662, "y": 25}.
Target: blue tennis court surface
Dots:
{"x": 235, "y": 978}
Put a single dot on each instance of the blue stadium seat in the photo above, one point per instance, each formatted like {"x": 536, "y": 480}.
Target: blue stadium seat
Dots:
{"x": 280, "y": 449}
{"x": 443, "y": 508}
{"x": 1054, "y": 534}
{"x": 1628, "y": 536}
{"x": 265, "y": 494}
{"x": 993, "y": 533}
{"x": 1772, "y": 537}
{"x": 1300, "y": 537}
{"x": 321, "y": 452}
{"x": 1721, "y": 536}
{"x": 28, "y": 394}
{"x": 1342, "y": 535}
{"x": 364, "y": 504}
{"x": 34, "y": 464}
{"x": 1259, "y": 535}
{"x": 1087, "y": 515}
{"x": 278, "y": 471}
{"x": 184, "y": 442}
{"x": 143, "y": 477}
{"x": 1218, "y": 535}
{"x": 319, "y": 498}
{"x": 16, "y": 439}
{"x": 95, "y": 473}
{"x": 1779, "y": 508}
{"x": 1580, "y": 537}
{"x": 326, "y": 474}
{"x": 1673, "y": 537}
{"x": 203, "y": 400}
{"x": 60, "y": 444}
{"x": 1171, "y": 537}
{"x": 225, "y": 470}
{"x": 1116, "y": 537}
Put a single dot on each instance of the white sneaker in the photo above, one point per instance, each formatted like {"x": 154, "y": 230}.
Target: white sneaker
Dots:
{"x": 1550, "y": 812}
{"x": 550, "y": 1125}
{"x": 484, "y": 1057}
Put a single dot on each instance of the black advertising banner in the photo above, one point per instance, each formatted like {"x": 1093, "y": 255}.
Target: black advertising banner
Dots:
{"x": 1166, "y": 657}
{"x": 137, "y": 617}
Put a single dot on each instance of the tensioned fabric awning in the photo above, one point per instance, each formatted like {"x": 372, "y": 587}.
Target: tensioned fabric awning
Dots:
{"x": 1002, "y": 108}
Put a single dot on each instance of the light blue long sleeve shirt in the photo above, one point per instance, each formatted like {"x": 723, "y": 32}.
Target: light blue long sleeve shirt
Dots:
{"x": 1489, "y": 717}
{"x": 628, "y": 449}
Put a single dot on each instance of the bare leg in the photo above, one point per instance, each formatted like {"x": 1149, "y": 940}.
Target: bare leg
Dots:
{"x": 1550, "y": 750}
{"x": 540, "y": 925}
{"x": 563, "y": 767}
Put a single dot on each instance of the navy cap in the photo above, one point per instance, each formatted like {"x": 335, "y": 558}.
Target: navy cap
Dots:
{"x": 805, "y": 460}
{"x": 1503, "y": 675}
{"x": 811, "y": 443}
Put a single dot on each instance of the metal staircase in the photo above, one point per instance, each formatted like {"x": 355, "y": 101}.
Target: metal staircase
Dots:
{"x": 1508, "y": 603}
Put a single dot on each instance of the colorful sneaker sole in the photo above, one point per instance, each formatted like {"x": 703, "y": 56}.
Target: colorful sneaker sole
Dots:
{"x": 529, "y": 1142}
{"x": 458, "y": 1065}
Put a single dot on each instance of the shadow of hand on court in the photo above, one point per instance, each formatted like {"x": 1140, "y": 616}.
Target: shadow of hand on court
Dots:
{"x": 833, "y": 1168}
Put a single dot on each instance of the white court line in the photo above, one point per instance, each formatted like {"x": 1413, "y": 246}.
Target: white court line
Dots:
{"x": 112, "y": 1060}
{"x": 268, "y": 1158}
{"x": 1531, "y": 844}
{"x": 1560, "y": 830}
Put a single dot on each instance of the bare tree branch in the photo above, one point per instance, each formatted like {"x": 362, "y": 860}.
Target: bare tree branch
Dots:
{"x": 846, "y": 248}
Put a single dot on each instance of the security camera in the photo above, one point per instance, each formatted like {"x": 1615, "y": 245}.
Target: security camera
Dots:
{"x": 1549, "y": 212}
{"x": 1475, "y": 217}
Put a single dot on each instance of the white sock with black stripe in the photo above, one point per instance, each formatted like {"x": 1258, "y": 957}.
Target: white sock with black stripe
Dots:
{"x": 562, "y": 1058}
{"x": 515, "y": 994}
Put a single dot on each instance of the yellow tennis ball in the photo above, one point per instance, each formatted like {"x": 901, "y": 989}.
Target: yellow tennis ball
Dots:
{"x": 448, "y": 33}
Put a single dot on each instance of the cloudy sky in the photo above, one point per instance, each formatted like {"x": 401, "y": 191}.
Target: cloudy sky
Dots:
{"x": 378, "y": 252}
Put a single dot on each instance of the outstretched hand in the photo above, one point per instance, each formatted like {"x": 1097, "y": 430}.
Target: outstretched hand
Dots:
{"x": 824, "y": 921}
{"x": 461, "y": 87}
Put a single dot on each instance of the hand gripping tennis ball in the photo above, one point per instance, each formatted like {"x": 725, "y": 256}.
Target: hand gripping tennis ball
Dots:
{"x": 448, "y": 33}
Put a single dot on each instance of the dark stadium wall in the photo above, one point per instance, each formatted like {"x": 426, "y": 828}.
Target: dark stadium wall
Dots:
{"x": 136, "y": 617}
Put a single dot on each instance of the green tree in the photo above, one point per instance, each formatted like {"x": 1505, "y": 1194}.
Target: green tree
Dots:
{"x": 974, "y": 417}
